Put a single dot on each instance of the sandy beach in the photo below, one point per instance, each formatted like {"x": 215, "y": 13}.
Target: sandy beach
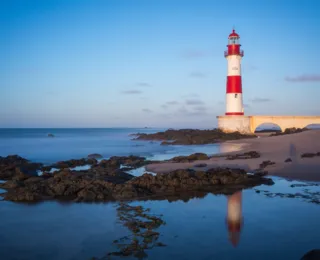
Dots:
{"x": 276, "y": 149}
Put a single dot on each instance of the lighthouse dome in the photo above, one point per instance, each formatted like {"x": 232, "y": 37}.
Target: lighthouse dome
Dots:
{"x": 233, "y": 34}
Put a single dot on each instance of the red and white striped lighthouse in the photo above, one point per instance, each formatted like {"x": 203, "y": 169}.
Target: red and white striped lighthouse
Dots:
{"x": 234, "y": 102}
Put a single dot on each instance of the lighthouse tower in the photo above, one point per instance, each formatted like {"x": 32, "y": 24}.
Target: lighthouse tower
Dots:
{"x": 234, "y": 102}
{"x": 234, "y": 119}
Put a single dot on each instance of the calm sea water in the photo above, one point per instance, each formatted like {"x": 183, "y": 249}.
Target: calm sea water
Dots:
{"x": 35, "y": 145}
{"x": 274, "y": 227}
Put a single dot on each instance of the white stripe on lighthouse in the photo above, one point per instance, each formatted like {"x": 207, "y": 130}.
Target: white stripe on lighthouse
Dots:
{"x": 234, "y": 103}
{"x": 234, "y": 65}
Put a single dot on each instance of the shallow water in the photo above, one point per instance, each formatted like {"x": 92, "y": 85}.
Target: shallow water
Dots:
{"x": 274, "y": 227}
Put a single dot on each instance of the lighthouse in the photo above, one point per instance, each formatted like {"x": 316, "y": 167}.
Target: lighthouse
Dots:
{"x": 234, "y": 102}
{"x": 234, "y": 119}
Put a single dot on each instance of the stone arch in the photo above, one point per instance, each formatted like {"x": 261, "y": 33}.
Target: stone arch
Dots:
{"x": 274, "y": 125}
{"x": 313, "y": 126}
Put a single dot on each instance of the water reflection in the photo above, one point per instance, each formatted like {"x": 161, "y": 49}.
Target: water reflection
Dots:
{"x": 234, "y": 217}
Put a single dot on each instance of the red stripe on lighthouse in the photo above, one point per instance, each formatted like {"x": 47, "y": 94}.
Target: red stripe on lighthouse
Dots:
{"x": 234, "y": 84}
{"x": 234, "y": 114}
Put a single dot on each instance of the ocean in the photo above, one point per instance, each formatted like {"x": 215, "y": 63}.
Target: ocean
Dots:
{"x": 275, "y": 226}
{"x": 35, "y": 145}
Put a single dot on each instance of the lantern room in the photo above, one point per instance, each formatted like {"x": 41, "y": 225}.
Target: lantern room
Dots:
{"x": 233, "y": 38}
{"x": 233, "y": 45}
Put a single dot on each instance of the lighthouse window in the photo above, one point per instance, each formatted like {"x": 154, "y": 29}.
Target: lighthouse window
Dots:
{"x": 235, "y": 95}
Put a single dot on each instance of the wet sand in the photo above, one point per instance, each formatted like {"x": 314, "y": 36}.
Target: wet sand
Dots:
{"x": 276, "y": 149}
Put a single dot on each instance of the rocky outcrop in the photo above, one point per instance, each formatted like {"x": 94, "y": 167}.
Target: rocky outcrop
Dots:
{"x": 70, "y": 163}
{"x": 246, "y": 155}
{"x": 108, "y": 181}
{"x": 13, "y": 165}
{"x": 191, "y": 136}
{"x": 104, "y": 184}
{"x": 190, "y": 158}
{"x": 288, "y": 131}
{"x": 264, "y": 164}
{"x": 310, "y": 155}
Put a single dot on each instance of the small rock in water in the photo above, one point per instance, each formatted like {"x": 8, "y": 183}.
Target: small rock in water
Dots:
{"x": 50, "y": 135}
{"x": 95, "y": 156}
{"x": 288, "y": 160}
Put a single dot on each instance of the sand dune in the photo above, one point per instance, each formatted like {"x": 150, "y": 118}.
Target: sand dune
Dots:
{"x": 276, "y": 149}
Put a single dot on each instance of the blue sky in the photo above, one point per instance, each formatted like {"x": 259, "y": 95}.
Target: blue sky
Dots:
{"x": 153, "y": 63}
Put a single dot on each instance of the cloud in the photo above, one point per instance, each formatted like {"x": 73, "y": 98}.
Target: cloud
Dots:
{"x": 193, "y": 54}
{"x": 200, "y": 108}
{"x": 260, "y": 100}
{"x": 192, "y": 102}
{"x": 169, "y": 103}
{"x": 172, "y": 103}
{"x": 191, "y": 95}
{"x": 304, "y": 78}
{"x": 131, "y": 92}
{"x": 197, "y": 74}
{"x": 144, "y": 84}
{"x": 146, "y": 110}
{"x": 193, "y": 111}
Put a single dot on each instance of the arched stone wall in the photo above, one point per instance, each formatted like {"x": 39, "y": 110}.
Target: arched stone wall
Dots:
{"x": 248, "y": 124}
{"x": 283, "y": 121}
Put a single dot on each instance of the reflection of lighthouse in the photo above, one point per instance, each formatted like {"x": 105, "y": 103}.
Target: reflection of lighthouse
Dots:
{"x": 234, "y": 217}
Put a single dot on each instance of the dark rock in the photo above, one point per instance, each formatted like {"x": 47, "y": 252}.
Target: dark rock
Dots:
{"x": 264, "y": 164}
{"x": 13, "y": 165}
{"x": 190, "y": 158}
{"x": 72, "y": 163}
{"x": 95, "y": 156}
{"x": 312, "y": 255}
{"x": 287, "y": 131}
{"x": 29, "y": 169}
{"x": 246, "y": 155}
{"x": 115, "y": 162}
{"x": 201, "y": 165}
{"x": 288, "y": 160}
{"x": 308, "y": 155}
{"x": 101, "y": 184}
{"x": 50, "y": 135}
{"x": 191, "y": 136}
